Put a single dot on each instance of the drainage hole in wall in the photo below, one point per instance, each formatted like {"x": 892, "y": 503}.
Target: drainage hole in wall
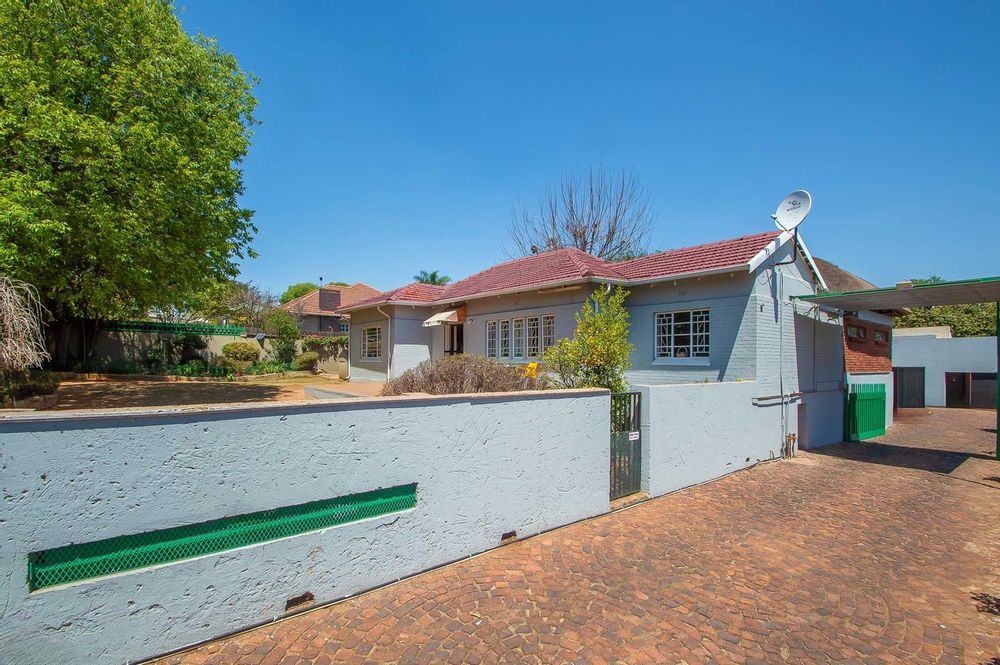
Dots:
{"x": 508, "y": 537}
{"x": 299, "y": 602}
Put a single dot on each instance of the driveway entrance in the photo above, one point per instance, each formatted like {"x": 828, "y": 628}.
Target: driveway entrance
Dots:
{"x": 874, "y": 552}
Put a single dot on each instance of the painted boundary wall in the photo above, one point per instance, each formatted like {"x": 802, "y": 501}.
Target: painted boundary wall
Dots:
{"x": 700, "y": 431}
{"x": 939, "y": 355}
{"x": 484, "y": 465}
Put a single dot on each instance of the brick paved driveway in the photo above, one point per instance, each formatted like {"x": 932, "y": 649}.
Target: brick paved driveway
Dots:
{"x": 863, "y": 553}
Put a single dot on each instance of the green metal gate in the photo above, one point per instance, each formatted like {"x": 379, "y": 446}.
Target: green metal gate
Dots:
{"x": 865, "y": 411}
{"x": 626, "y": 444}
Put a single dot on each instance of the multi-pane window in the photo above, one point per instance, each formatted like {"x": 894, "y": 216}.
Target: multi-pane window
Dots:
{"x": 857, "y": 332}
{"x": 548, "y": 331}
{"x": 491, "y": 338}
{"x": 344, "y": 326}
{"x": 371, "y": 344}
{"x": 534, "y": 337}
{"x": 505, "y": 339}
{"x": 880, "y": 337}
{"x": 682, "y": 334}
{"x": 517, "y": 333}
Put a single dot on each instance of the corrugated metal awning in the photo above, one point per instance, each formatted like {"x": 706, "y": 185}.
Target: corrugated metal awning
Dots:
{"x": 904, "y": 296}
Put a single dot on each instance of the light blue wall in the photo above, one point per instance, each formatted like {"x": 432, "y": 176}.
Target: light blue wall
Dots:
{"x": 484, "y": 465}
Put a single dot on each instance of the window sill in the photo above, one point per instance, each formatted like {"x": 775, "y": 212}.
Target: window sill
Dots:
{"x": 682, "y": 362}
{"x": 369, "y": 360}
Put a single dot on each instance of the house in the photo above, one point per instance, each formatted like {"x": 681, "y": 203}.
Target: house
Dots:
{"x": 867, "y": 335}
{"x": 709, "y": 313}
{"x": 932, "y": 368}
{"x": 316, "y": 311}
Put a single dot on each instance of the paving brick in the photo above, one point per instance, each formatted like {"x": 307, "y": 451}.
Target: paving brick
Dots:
{"x": 878, "y": 552}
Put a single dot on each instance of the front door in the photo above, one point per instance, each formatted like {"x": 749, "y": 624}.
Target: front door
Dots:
{"x": 956, "y": 389}
{"x": 454, "y": 339}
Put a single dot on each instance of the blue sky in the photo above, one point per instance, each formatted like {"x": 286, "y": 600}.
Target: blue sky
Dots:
{"x": 398, "y": 137}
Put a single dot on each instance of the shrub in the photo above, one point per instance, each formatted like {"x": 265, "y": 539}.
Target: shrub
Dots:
{"x": 246, "y": 352}
{"x": 598, "y": 354}
{"x": 22, "y": 384}
{"x": 189, "y": 345}
{"x": 324, "y": 344}
{"x": 305, "y": 361}
{"x": 267, "y": 368}
{"x": 462, "y": 374}
{"x": 281, "y": 327}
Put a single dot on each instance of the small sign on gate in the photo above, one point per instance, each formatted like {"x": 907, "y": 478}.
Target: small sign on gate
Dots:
{"x": 633, "y": 436}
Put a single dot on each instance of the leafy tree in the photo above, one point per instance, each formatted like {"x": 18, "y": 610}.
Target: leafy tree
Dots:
{"x": 296, "y": 290}
{"x": 121, "y": 138}
{"x": 603, "y": 213}
{"x": 974, "y": 320}
{"x": 431, "y": 277}
{"x": 242, "y": 303}
{"x": 598, "y": 355}
{"x": 283, "y": 330}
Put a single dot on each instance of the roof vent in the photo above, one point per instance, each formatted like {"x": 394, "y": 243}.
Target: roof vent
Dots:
{"x": 904, "y": 285}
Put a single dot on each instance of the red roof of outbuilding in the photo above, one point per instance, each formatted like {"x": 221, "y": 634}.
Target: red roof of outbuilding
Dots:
{"x": 570, "y": 265}
{"x": 310, "y": 302}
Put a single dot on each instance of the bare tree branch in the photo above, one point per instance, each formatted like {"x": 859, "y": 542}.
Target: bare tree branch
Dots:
{"x": 602, "y": 213}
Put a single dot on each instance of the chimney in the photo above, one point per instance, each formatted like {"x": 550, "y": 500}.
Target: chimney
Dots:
{"x": 329, "y": 299}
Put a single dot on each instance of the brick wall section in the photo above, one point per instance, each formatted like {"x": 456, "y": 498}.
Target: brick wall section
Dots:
{"x": 867, "y": 355}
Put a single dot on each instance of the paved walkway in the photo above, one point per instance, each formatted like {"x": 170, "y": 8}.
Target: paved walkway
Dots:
{"x": 862, "y": 553}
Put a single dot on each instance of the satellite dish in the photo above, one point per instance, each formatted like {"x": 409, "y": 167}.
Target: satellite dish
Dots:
{"x": 792, "y": 210}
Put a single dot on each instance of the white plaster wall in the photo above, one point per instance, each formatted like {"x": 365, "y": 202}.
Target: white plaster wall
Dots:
{"x": 700, "y": 431}
{"x": 484, "y": 465}
{"x": 940, "y": 355}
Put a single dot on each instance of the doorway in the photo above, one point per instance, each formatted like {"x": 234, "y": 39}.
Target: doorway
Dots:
{"x": 956, "y": 389}
{"x": 909, "y": 387}
{"x": 454, "y": 339}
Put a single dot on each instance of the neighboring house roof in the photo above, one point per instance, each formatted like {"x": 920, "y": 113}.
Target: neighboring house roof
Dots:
{"x": 839, "y": 280}
{"x": 572, "y": 266}
{"x": 326, "y": 300}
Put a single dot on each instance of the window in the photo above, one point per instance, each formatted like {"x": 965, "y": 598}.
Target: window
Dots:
{"x": 880, "y": 337}
{"x": 491, "y": 339}
{"x": 517, "y": 331}
{"x": 682, "y": 334}
{"x": 856, "y": 332}
{"x": 371, "y": 344}
{"x": 534, "y": 337}
{"x": 548, "y": 331}
{"x": 344, "y": 326}
{"x": 505, "y": 339}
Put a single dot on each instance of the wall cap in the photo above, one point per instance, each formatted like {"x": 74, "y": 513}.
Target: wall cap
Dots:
{"x": 298, "y": 406}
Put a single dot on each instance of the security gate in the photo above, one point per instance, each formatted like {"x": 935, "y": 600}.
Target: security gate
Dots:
{"x": 626, "y": 444}
{"x": 865, "y": 411}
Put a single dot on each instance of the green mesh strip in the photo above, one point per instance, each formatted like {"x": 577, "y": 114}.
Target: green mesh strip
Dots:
{"x": 176, "y": 328}
{"x": 114, "y": 555}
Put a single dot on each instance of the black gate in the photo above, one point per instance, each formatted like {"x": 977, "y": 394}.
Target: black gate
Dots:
{"x": 626, "y": 444}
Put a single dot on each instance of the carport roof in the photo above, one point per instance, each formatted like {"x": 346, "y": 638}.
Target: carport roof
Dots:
{"x": 904, "y": 295}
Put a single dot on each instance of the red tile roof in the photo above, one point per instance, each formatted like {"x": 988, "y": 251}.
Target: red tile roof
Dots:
{"x": 700, "y": 258}
{"x": 570, "y": 265}
{"x": 310, "y": 302}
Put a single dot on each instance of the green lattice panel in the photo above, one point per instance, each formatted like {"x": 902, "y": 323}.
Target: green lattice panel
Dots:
{"x": 173, "y": 328}
{"x": 82, "y": 561}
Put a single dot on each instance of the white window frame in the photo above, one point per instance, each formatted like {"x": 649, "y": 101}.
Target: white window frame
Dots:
{"x": 533, "y": 338}
{"x": 366, "y": 355}
{"x": 491, "y": 339}
{"x": 517, "y": 339}
{"x": 548, "y": 332}
{"x": 664, "y": 348}
{"x": 343, "y": 326}
{"x": 503, "y": 347}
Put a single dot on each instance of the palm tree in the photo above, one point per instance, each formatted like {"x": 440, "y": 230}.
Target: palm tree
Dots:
{"x": 432, "y": 277}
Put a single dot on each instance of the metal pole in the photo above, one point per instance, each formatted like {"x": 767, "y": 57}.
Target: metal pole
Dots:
{"x": 997, "y": 332}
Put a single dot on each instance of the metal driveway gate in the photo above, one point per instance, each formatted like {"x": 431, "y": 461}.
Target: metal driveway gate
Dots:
{"x": 865, "y": 411}
{"x": 626, "y": 444}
